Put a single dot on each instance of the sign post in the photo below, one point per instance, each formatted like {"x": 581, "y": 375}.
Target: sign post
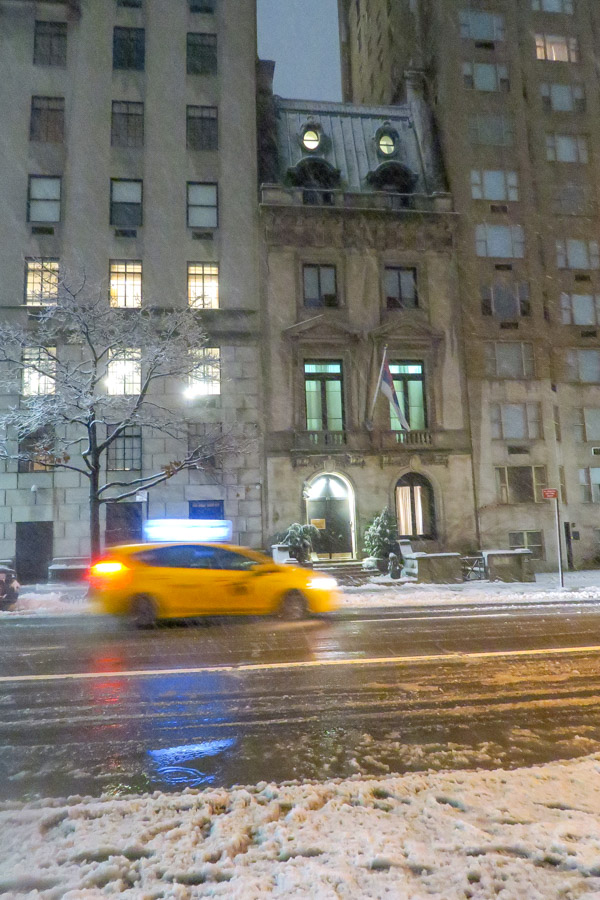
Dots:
{"x": 552, "y": 494}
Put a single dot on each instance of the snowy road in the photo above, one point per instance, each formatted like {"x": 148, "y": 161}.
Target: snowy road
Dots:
{"x": 86, "y": 706}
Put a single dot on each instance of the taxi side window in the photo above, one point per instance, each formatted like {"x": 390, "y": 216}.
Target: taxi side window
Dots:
{"x": 226, "y": 559}
{"x": 178, "y": 557}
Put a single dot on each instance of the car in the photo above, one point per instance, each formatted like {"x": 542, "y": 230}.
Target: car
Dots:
{"x": 148, "y": 582}
{"x": 9, "y": 588}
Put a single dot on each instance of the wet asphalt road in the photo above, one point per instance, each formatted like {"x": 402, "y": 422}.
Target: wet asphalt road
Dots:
{"x": 87, "y": 706}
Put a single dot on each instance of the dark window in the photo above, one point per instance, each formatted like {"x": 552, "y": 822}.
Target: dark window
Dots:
{"x": 528, "y": 540}
{"x": 520, "y": 484}
{"x": 130, "y": 4}
{"x": 43, "y": 199}
{"x": 201, "y": 54}
{"x": 202, "y": 128}
{"x": 207, "y": 509}
{"x": 128, "y": 48}
{"x": 125, "y": 452}
{"x": 47, "y": 121}
{"x": 227, "y": 559}
{"x": 401, "y": 288}
{"x": 202, "y": 6}
{"x": 204, "y": 443}
{"x": 323, "y": 391}
{"x": 36, "y": 448}
{"x": 505, "y": 300}
{"x": 123, "y": 523}
{"x": 50, "y": 44}
{"x": 127, "y": 124}
{"x": 125, "y": 203}
{"x": 320, "y": 287}
{"x": 415, "y": 507}
{"x": 180, "y": 557}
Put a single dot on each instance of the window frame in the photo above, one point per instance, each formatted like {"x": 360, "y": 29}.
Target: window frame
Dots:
{"x": 191, "y": 276}
{"x": 205, "y": 381}
{"x": 527, "y": 370}
{"x": 129, "y": 49}
{"x": 121, "y": 210}
{"x": 118, "y": 286}
{"x": 38, "y": 376}
{"x": 578, "y": 104}
{"x": 574, "y": 367}
{"x": 41, "y": 262}
{"x": 520, "y": 294}
{"x": 125, "y": 379}
{"x": 131, "y": 124}
{"x": 119, "y": 450}
{"x": 510, "y": 185}
{"x": 504, "y": 489}
{"x": 204, "y": 138}
{"x": 37, "y": 179}
{"x": 323, "y": 378}
{"x": 192, "y": 206}
{"x": 541, "y": 6}
{"x": 56, "y": 53}
{"x": 526, "y": 545}
{"x": 47, "y": 122}
{"x": 532, "y": 418}
{"x": 470, "y": 31}
{"x": 567, "y": 252}
{"x": 399, "y": 303}
{"x": 545, "y": 41}
{"x": 488, "y": 78}
{"x": 202, "y": 53}
{"x": 557, "y": 143}
{"x": 504, "y": 120}
{"x": 568, "y": 312}
{"x": 487, "y": 232}
{"x": 320, "y": 301}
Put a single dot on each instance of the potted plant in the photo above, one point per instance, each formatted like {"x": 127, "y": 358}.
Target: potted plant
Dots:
{"x": 381, "y": 540}
{"x": 299, "y": 539}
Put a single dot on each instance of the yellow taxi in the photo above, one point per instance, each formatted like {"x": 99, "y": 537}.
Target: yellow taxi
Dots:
{"x": 147, "y": 582}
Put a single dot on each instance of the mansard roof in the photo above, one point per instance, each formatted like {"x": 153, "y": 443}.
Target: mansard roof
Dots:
{"x": 349, "y": 144}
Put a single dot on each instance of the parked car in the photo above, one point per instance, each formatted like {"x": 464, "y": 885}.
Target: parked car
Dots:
{"x": 147, "y": 582}
{"x": 9, "y": 587}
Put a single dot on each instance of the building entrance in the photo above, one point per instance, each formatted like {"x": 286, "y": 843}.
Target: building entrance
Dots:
{"x": 330, "y": 507}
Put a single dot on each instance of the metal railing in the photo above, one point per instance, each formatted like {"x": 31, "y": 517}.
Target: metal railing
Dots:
{"x": 309, "y": 440}
{"x": 278, "y": 195}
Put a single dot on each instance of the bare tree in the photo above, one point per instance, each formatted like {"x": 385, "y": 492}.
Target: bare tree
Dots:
{"x": 85, "y": 372}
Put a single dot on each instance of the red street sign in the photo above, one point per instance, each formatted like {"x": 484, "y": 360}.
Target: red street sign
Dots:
{"x": 550, "y": 493}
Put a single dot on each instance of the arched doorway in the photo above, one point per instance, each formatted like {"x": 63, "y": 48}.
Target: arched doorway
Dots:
{"x": 415, "y": 507}
{"x": 330, "y": 507}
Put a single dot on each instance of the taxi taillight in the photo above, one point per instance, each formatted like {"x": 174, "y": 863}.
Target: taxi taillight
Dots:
{"x": 108, "y": 567}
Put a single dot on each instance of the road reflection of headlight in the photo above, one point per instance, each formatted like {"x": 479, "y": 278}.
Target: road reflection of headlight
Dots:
{"x": 182, "y": 753}
{"x": 322, "y": 584}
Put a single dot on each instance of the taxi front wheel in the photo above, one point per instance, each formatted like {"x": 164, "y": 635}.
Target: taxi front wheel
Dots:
{"x": 293, "y": 606}
{"x": 142, "y": 611}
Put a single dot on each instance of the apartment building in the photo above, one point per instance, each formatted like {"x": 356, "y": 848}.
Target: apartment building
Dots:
{"x": 359, "y": 260}
{"x": 516, "y": 97}
{"x": 128, "y": 148}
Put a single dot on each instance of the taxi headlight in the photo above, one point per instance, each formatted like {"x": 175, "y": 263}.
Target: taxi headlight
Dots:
{"x": 324, "y": 583}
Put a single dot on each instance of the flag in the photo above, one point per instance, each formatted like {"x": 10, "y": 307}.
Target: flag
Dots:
{"x": 387, "y": 388}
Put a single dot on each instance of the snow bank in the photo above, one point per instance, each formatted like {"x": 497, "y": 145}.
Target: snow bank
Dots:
{"x": 50, "y": 603}
{"x": 382, "y": 591}
{"x": 529, "y": 833}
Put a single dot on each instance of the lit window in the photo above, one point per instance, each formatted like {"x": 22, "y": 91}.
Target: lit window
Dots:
{"x": 556, "y": 48}
{"x": 311, "y": 139}
{"x": 203, "y": 285}
{"x": 563, "y": 97}
{"x": 50, "y": 44}
{"x": 505, "y": 300}
{"x": 583, "y": 366}
{"x": 527, "y": 540}
{"x": 41, "y": 281}
{"x": 205, "y": 380}
{"x": 202, "y": 128}
{"x": 509, "y": 359}
{"x": 415, "y": 507}
{"x": 202, "y": 205}
{"x": 36, "y": 450}
{"x": 43, "y": 199}
{"x": 47, "y": 123}
{"x": 409, "y": 383}
{"x": 502, "y": 241}
{"x": 566, "y": 148}
{"x": 577, "y": 254}
{"x": 124, "y": 372}
{"x": 201, "y": 54}
{"x": 553, "y": 6}
{"x": 125, "y": 203}
{"x": 127, "y": 124}
{"x": 485, "y": 77}
{"x": 494, "y": 184}
{"x": 387, "y": 144}
{"x": 520, "y": 484}
{"x": 481, "y": 26}
{"x": 515, "y": 421}
{"x": 125, "y": 282}
{"x": 124, "y": 453}
{"x": 39, "y": 371}
{"x": 323, "y": 393}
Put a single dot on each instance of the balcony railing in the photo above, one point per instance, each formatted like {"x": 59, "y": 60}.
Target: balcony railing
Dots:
{"x": 387, "y": 440}
{"x": 277, "y": 195}
{"x": 322, "y": 440}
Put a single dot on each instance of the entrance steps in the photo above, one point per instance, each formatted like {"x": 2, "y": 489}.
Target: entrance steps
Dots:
{"x": 346, "y": 572}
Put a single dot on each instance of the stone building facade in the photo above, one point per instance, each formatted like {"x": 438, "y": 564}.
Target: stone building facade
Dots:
{"x": 515, "y": 92}
{"x": 129, "y": 151}
{"x": 359, "y": 256}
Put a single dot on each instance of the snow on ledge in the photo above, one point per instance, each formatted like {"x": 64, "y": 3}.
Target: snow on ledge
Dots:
{"x": 527, "y": 833}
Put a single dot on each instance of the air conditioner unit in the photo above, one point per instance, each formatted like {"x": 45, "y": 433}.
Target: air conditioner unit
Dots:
{"x": 595, "y": 451}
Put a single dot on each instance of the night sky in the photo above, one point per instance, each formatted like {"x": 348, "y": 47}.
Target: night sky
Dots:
{"x": 302, "y": 37}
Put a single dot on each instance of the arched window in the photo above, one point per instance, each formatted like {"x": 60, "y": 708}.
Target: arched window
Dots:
{"x": 415, "y": 507}
{"x": 317, "y": 178}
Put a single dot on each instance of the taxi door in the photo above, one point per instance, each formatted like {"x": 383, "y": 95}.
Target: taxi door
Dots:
{"x": 181, "y": 576}
{"x": 235, "y": 584}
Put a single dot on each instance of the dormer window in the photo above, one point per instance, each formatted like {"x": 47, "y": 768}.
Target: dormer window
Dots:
{"x": 311, "y": 139}
{"x": 387, "y": 144}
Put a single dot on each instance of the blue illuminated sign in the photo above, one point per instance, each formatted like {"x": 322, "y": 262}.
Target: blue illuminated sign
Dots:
{"x": 205, "y": 530}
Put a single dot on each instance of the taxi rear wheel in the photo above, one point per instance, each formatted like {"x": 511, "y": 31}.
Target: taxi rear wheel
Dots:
{"x": 293, "y": 606}
{"x": 142, "y": 611}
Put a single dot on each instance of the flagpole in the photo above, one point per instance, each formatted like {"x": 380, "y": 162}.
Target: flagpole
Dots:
{"x": 370, "y": 418}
